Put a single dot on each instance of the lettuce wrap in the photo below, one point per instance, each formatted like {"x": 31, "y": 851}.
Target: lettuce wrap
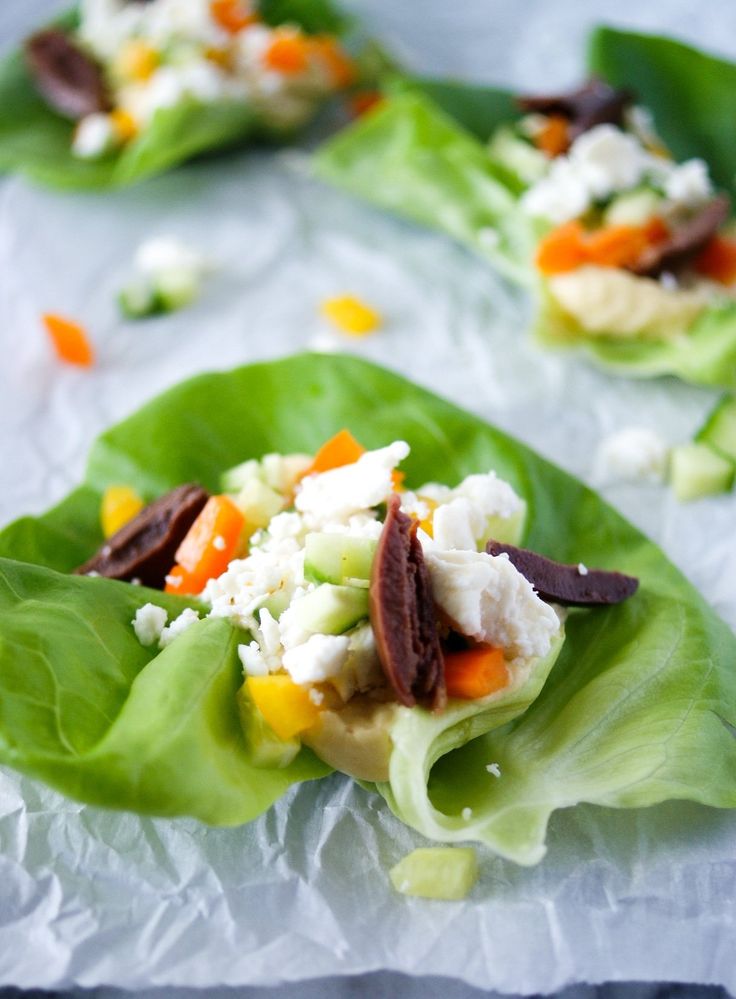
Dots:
{"x": 37, "y": 141}
{"x": 639, "y": 707}
{"x": 436, "y": 153}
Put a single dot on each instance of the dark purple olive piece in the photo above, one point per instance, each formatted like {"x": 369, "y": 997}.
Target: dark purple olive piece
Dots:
{"x": 567, "y": 584}
{"x": 403, "y": 614}
{"x": 686, "y": 239}
{"x": 71, "y": 81}
{"x": 145, "y": 548}
{"x": 595, "y": 103}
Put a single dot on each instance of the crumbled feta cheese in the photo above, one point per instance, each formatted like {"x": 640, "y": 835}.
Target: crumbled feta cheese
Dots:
{"x": 337, "y": 494}
{"x": 452, "y": 525}
{"x": 688, "y": 183}
{"x": 178, "y": 626}
{"x": 466, "y": 814}
{"x": 94, "y": 136}
{"x": 633, "y": 454}
{"x": 148, "y": 623}
{"x": 487, "y": 598}
{"x": 494, "y": 768}
{"x": 316, "y": 696}
{"x": 167, "y": 253}
{"x": 252, "y": 659}
{"x": 362, "y": 670}
{"x": 219, "y": 543}
{"x": 319, "y": 658}
{"x": 582, "y": 569}
{"x": 462, "y": 517}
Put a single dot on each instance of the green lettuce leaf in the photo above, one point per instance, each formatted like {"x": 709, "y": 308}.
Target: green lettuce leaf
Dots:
{"x": 691, "y": 94}
{"x": 36, "y": 141}
{"x": 639, "y": 707}
{"x": 412, "y": 158}
{"x": 705, "y": 356}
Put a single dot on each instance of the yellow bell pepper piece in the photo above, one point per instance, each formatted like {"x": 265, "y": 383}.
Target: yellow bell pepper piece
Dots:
{"x": 285, "y": 705}
{"x": 137, "y": 61}
{"x": 351, "y": 315}
{"x": 125, "y": 125}
{"x": 119, "y": 505}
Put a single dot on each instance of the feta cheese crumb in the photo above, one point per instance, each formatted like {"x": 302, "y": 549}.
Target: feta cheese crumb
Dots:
{"x": 219, "y": 543}
{"x": 162, "y": 254}
{"x": 177, "y": 627}
{"x": 582, "y": 569}
{"x": 94, "y": 136}
{"x": 467, "y": 814}
{"x": 148, "y": 623}
{"x": 494, "y": 768}
{"x": 688, "y": 183}
{"x": 633, "y": 454}
{"x": 316, "y": 696}
{"x": 486, "y": 598}
{"x": 320, "y": 658}
{"x": 253, "y": 661}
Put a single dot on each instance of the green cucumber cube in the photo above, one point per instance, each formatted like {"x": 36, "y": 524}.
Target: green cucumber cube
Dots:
{"x": 719, "y": 430}
{"x": 336, "y": 558}
{"x": 697, "y": 470}
{"x": 331, "y": 610}
{"x": 233, "y": 480}
{"x": 138, "y": 300}
{"x": 509, "y": 530}
{"x": 444, "y": 872}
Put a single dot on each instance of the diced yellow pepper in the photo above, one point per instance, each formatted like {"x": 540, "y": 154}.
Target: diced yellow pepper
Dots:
{"x": 350, "y": 315}
{"x": 119, "y": 505}
{"x": 285, "y": 705}
{"x": 137, "y": 61}
{"x": 125, "y": 125}
{"x": 427, "y": 525}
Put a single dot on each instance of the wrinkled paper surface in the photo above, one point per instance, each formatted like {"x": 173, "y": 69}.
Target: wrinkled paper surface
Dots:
{"x": 93, "y": 897}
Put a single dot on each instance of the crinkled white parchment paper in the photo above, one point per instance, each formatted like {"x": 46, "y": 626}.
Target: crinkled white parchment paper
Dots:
{"x": 93, "y": 897}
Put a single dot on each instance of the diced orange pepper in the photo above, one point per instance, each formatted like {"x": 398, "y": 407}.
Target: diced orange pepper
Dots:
{"x": 363, "y": 101}
{"x": 554, "y": 138}
{"x": 208, "y": 547}
{"x": 718, "y": 260}
{"x": 232, "y": 15}
{"x": 616, "y": 246}
{"x": 562, "y": 250}
{"x": 342, "y": 449}
{"x": 474, "y": 673}
{"x": 286, "y": 706}
{"x": 340, "y": 67}
{"x": 288, "y": 53}
{"x": 70, "y": 340}
{"x": 397, "y": 480}
{"x": 656, "y": 230}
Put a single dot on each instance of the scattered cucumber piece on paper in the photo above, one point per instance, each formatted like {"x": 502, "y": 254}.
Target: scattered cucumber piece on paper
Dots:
{"x": 444, "y": 872}
{"x": 719, "y": 430}
{"x": 697, "y": 470}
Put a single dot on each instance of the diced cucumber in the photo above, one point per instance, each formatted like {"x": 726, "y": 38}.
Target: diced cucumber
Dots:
{"x": 331, "y": 610}
{"x": 633, "y": 207}
{"x": 282, "y": 471}
{"x": 509, "y": 530}
{"x": 517, "y": 155}
{"x": 258, "y": 503}
{"x": 265, "y": 748}
{"x": 697, "y": 470}
{"x": 444, "y": 872}
{"x": 337, "y": 558}
{"x": 276, "y": 604}
{"x": 139, "y": 300}
{"x": 233, "y": 480}
{"x": 719, "y": 430}
{"x": 177, "y": 288}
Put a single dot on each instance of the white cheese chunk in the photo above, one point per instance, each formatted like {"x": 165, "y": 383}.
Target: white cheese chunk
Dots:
{"x": 178, "y": 626}
{"x": 319, "y": 658}
{"x": 632, "y": 454}
{"x": 148, "y": 623}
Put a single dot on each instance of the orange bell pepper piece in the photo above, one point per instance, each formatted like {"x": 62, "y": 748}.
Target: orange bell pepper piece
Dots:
{"x": 288, "y": 53}
{"x": 554, "y": 138}
{"x": 616, "y": 246}
{"x": 717, "y": 260}
{"x": 232, "y": 15}
{"x": 70, "y": 340}
{"x": 363, "y": 101}
{"x": 562, "y": 250}
{"x": 208, "y": 547}
{"x": 340, "y": 67}
{"x": 474, "y": 673}
{"x": 342, "y": 449}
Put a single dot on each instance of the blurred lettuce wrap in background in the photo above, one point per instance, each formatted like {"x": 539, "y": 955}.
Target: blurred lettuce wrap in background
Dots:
{"x": 172, "y": 87}
{"x": 639, "y": 705}
{"x": 462, "y": 158}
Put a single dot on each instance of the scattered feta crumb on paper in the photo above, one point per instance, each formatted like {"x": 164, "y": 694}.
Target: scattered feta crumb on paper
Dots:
{"x": 494, "y": 768}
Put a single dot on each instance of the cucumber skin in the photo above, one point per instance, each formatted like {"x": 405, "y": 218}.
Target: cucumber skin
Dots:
{"x": 719, "y": 429}
{"x": 336, "y": 558}
{"x": 698, "y": 470}
{"x": 331, "y": 610}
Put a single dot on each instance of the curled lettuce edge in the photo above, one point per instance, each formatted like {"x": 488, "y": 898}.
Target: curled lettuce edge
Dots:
{"x": 640, "y": 706}
{"x": 421, "y": 738}
{"x": 411, "y": 157}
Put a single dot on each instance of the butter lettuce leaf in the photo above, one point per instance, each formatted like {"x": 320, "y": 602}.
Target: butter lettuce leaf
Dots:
{"x": 412, "y": 158}
{"x": 36, "y": 141}
{"x": 639, "y": 706}
{"x": 692, "y": 94}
